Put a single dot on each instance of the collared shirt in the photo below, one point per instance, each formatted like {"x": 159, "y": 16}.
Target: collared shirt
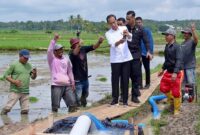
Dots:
{"x": 173, "y": 58}
{"x": 120, "y": 53}
{"x": 61, "y": 69}
{"x": 189, "y": 49}
{"x": 138, "y": 34}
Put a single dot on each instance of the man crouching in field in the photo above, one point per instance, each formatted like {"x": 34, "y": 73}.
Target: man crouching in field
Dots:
{"x": 19, "y": 74}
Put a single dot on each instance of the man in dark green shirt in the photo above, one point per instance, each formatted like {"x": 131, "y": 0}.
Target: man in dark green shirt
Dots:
{"x": 19, "y": 74}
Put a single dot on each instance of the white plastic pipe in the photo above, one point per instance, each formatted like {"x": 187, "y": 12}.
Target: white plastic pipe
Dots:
{"x": 81, "y": 126}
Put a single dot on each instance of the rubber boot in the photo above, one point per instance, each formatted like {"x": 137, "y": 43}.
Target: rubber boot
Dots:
{"x": 177, "y": 106}
{"x": 170, "y": 101}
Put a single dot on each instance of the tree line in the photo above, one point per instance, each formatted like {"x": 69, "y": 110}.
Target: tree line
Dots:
{"x": 74, "y": 23}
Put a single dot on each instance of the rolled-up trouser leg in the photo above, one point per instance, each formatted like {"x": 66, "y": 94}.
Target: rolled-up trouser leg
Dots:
{"x": 12, "y": 100}
{"x": 24, "y": 103}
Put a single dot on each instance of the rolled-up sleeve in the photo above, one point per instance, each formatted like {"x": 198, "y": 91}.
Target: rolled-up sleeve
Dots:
{"x": 9, "y": 71}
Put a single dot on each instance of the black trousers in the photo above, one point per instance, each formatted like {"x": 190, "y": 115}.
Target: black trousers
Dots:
{"x": 120, "y": 71}
{"x": 140, "y": 83}
{"x": 135, "y": 76}
{"x": 146, "y": 64}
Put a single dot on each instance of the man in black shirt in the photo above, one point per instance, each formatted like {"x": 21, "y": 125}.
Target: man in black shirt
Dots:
{"x": 138, "y": 34}
{"x": 78, "y": 57}
{"x": 172, "y": 72}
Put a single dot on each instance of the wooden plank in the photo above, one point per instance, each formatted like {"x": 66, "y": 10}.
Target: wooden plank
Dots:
{"x": 101, "y": 112}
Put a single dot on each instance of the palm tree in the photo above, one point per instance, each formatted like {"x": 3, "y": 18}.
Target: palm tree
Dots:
{"x": 71, "y": 21}
{"x": 79, "y": 21}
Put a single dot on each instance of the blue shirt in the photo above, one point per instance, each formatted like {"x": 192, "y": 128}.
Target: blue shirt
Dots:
{"x": 151, "y": 43}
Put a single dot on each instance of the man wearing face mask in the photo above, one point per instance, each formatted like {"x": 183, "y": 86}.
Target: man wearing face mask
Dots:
{"x": 19, "y": 74}
{"x": 62, "y": 79}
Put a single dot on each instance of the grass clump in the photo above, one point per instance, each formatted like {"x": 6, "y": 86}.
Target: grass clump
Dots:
{"x": 157, "y": 124}
{"x": 103, "y": 79}
{"x": 33, "y": 99}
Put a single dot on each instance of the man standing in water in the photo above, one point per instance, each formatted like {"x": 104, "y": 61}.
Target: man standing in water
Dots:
{"x": 19, "y": 74}
{"x": 78, "y": 57}
{"x": 172, "y": 72}
{"x": 62, "y": 79}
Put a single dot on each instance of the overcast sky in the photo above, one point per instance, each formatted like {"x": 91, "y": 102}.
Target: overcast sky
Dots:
{"x": 97, "y": 10}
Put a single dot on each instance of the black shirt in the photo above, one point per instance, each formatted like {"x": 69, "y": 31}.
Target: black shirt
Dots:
{"x": 138, "y": 34}
{"x": 79, "y": 63}
{"x": 173, "y": 58}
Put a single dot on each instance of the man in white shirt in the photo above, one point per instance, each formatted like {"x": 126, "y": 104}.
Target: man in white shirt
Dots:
{"x": 120, "y": 58}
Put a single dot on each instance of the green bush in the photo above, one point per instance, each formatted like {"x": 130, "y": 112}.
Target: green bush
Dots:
{"x": 13, "y": 31}
{"x": 48, "y": 31}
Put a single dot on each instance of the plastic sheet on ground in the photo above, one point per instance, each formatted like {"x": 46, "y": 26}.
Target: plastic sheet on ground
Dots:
{"x": 64, "y": 126}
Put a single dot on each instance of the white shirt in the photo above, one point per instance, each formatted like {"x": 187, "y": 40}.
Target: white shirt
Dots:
{"x": 120, "y": 53}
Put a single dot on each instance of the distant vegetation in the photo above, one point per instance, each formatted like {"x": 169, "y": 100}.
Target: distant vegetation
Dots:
{"x": 77, "y": 22}
{"x": 37, "y": 35}
{"x": 73, "y": 23}
{"x": 39, "y": 40}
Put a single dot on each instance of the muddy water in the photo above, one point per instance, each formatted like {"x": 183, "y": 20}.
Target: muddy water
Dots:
{"x": 99, "y": 66}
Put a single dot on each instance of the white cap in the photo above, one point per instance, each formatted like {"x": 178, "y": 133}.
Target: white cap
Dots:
{"x": 57, "y": 46}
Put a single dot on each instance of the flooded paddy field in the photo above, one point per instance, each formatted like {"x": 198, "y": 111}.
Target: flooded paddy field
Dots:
{"x": 98, "y": 65}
